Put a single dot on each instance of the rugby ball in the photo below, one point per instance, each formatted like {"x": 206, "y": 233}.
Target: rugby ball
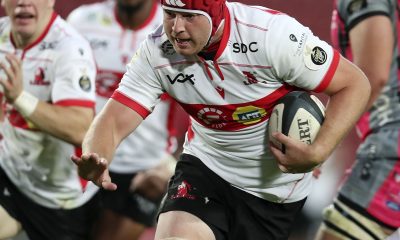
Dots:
{"x": 298, "y": 115}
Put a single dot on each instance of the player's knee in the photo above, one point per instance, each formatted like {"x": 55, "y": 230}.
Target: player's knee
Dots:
{"x": 9, "y": 227}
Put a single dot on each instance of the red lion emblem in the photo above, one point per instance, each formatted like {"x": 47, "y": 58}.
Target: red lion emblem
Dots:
{"x": 183, "y": 191}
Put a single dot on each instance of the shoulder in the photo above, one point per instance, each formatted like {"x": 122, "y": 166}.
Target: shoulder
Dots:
{"x": 66, "y": 38}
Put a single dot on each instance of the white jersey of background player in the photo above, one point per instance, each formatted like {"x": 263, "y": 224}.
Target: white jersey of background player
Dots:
{"x": 114, "y": 46}
{"x": 59, "y": 69}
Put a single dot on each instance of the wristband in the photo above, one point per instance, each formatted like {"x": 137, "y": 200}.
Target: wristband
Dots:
{"x": 26, "y": 103}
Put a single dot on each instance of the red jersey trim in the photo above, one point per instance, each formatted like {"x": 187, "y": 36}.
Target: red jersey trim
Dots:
{"x": 120, "y": 97}
{"x": 330, "y": 73}
{"x": 76, "y": 102}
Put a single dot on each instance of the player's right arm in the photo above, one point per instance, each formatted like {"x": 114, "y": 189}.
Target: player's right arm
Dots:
{"x": 114, "y": 122}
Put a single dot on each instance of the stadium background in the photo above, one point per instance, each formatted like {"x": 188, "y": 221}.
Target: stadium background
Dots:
{"x": 316, "y": 15}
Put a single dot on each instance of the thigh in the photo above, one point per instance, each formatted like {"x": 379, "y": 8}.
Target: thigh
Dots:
{"x": 117, "y": 227}
{"x": 197, "y": 191}
{"x": 182, "y": 225}
{"x": 252, "y": 217}
{"x": 9, "y": 227}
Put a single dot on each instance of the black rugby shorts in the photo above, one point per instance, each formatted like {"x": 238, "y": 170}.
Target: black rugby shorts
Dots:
{"x": 42, "y": 223}
{"x": 231, "y": 213}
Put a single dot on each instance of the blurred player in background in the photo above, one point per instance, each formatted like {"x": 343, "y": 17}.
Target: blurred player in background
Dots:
{"x": 368, "y": 204}
{"x": 115, "y": 30}
{"x": 227, "y": 64}
{"x": 48, "y": 100}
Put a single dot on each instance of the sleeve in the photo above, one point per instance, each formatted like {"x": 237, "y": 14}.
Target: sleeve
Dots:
{"x": 140, "y": 88}
{"x": 354, "y": 11}
{"x": 75, "y": 72}
{"x": 298, "y": 57}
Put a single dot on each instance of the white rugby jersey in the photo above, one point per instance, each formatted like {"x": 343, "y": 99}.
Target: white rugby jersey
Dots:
{"x": 58, "y": 68}
{"x": 114, "y": 46}
{"x": 263, "y": 55}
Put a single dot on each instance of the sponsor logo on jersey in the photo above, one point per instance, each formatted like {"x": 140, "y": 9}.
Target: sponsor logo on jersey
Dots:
{"x": 181, "y": 78}
{"x": 249, "y": 115}
{"x": 47, "y": 45}
{"x": 314, "y": 56}
{"x": 293, "y": 38}
{"x": 98, "y": 44}
{"x": 81, "y": 51}
{"x": 300, "y": 45}
{"x": 244, "y": 48}
{"x": 39, "y": 78}
{"x": 318, "y": 56}
{"x": 167, "y": 48}
{"x": 213, "y": 117}
{"x": 106, "y": 21}
{"x": 176, "y": 3}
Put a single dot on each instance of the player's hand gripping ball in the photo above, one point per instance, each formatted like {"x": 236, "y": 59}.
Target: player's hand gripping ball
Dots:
{"x": 298, "y": 115}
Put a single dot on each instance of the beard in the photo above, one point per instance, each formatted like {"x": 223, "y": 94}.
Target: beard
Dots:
{"x": 130, "y": 8}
